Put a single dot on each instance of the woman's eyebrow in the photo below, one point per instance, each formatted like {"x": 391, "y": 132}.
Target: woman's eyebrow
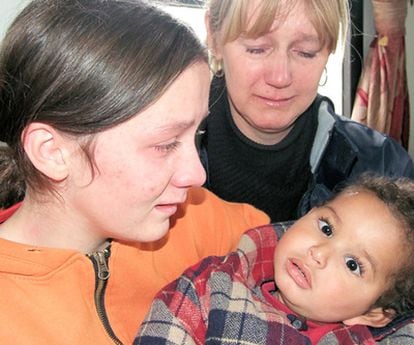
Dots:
{"x": 175, "y": 126}
{"x": 308, "y": 37}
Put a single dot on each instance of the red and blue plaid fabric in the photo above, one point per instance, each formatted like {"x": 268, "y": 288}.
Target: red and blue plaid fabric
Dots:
{"x": 220, "y": 301}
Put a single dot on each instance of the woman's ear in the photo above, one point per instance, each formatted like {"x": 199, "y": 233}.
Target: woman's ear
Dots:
{"x": 375, "y": 317}
{"x": 46, "y": 149}
{"x": 211, "y": 38}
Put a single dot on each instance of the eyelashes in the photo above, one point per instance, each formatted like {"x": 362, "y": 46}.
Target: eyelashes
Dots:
{"x": 168, "y": 147}
{"x": 354, "y": 265}
{"x": 326, "y": 227}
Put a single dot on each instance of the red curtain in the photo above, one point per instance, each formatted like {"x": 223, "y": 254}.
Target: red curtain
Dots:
{"x": 382, "y": 101}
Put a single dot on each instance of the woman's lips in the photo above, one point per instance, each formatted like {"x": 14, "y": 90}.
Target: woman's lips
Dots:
{"x": 299, "y": 274}
{"x": 168, "y": 209}
{"x": 276, "y": 102}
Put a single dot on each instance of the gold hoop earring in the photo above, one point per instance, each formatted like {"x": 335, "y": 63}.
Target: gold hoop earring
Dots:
{"x": 218, "y": 68}
{"x": 219, "y": 73}
{"x": 326, "y": 77}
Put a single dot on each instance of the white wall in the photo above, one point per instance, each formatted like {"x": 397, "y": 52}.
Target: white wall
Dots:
{"x": 8, "y": 10}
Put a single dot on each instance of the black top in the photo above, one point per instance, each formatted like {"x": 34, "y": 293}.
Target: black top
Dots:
{"x": 278, "y": 178}
{"x": 271, "y": 177}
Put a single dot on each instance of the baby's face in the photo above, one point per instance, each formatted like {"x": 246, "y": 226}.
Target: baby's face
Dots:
{"x": 335, "y": 262}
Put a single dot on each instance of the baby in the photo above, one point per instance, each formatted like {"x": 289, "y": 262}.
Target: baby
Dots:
{"x": 345, "y": 265}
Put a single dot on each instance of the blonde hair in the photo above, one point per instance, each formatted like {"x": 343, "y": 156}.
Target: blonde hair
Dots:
{"x": 228, "y": 19}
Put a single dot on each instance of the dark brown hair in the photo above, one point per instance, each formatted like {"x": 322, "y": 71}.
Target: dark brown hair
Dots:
{"x": 83, "y": 66}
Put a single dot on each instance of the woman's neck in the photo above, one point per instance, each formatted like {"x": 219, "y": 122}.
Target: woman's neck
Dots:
{"x": 50, "y": 224}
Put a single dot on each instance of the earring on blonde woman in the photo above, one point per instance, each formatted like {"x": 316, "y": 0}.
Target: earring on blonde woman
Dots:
{"x": 218, "y": 68}
{"x": 325, "y": 79}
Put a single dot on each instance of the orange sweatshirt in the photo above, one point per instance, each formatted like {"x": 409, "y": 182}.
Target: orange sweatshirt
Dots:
{"x": 47, "y": 295}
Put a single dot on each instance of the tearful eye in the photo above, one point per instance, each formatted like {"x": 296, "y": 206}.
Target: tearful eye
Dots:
{"x": 325, "y": 227}
{"x": 306, "y": 55}
{"x": 166, "y": 148}
{"x": 255, "y": 50}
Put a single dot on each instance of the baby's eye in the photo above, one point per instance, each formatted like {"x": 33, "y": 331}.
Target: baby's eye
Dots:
{"x": 353, "y": 265}
{"x": 325, "y": 227}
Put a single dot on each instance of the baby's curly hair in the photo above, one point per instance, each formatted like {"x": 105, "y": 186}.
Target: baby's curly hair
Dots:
{"x": 398, "y": 195}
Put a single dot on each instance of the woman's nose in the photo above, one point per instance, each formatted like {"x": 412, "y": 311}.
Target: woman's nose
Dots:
{"x": 190, "y": 172}
{"x": 278, "y": 71}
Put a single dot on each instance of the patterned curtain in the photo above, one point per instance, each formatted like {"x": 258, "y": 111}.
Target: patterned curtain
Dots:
{"x": 381, "y": 101}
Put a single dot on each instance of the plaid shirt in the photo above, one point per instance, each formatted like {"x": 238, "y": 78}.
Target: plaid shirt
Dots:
{"x": 220, "y": 301}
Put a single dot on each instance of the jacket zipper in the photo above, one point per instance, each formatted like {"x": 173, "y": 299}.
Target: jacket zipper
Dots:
{"x": 102, "y": 274}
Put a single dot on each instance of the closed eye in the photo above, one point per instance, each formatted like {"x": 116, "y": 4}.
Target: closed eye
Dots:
{"x": 306, "y": 55}
{"x": 166, "y": 148}
{"x": 255, "y": 51}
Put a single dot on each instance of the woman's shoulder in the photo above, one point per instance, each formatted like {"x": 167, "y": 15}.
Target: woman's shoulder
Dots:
{"x": 347, "y": 133}
{"x": 214, "y": 225}
{"x": 199, "y": 199}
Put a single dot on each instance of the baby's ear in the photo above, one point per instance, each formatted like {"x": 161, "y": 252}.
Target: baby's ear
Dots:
{"x": 375, "y": 317}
